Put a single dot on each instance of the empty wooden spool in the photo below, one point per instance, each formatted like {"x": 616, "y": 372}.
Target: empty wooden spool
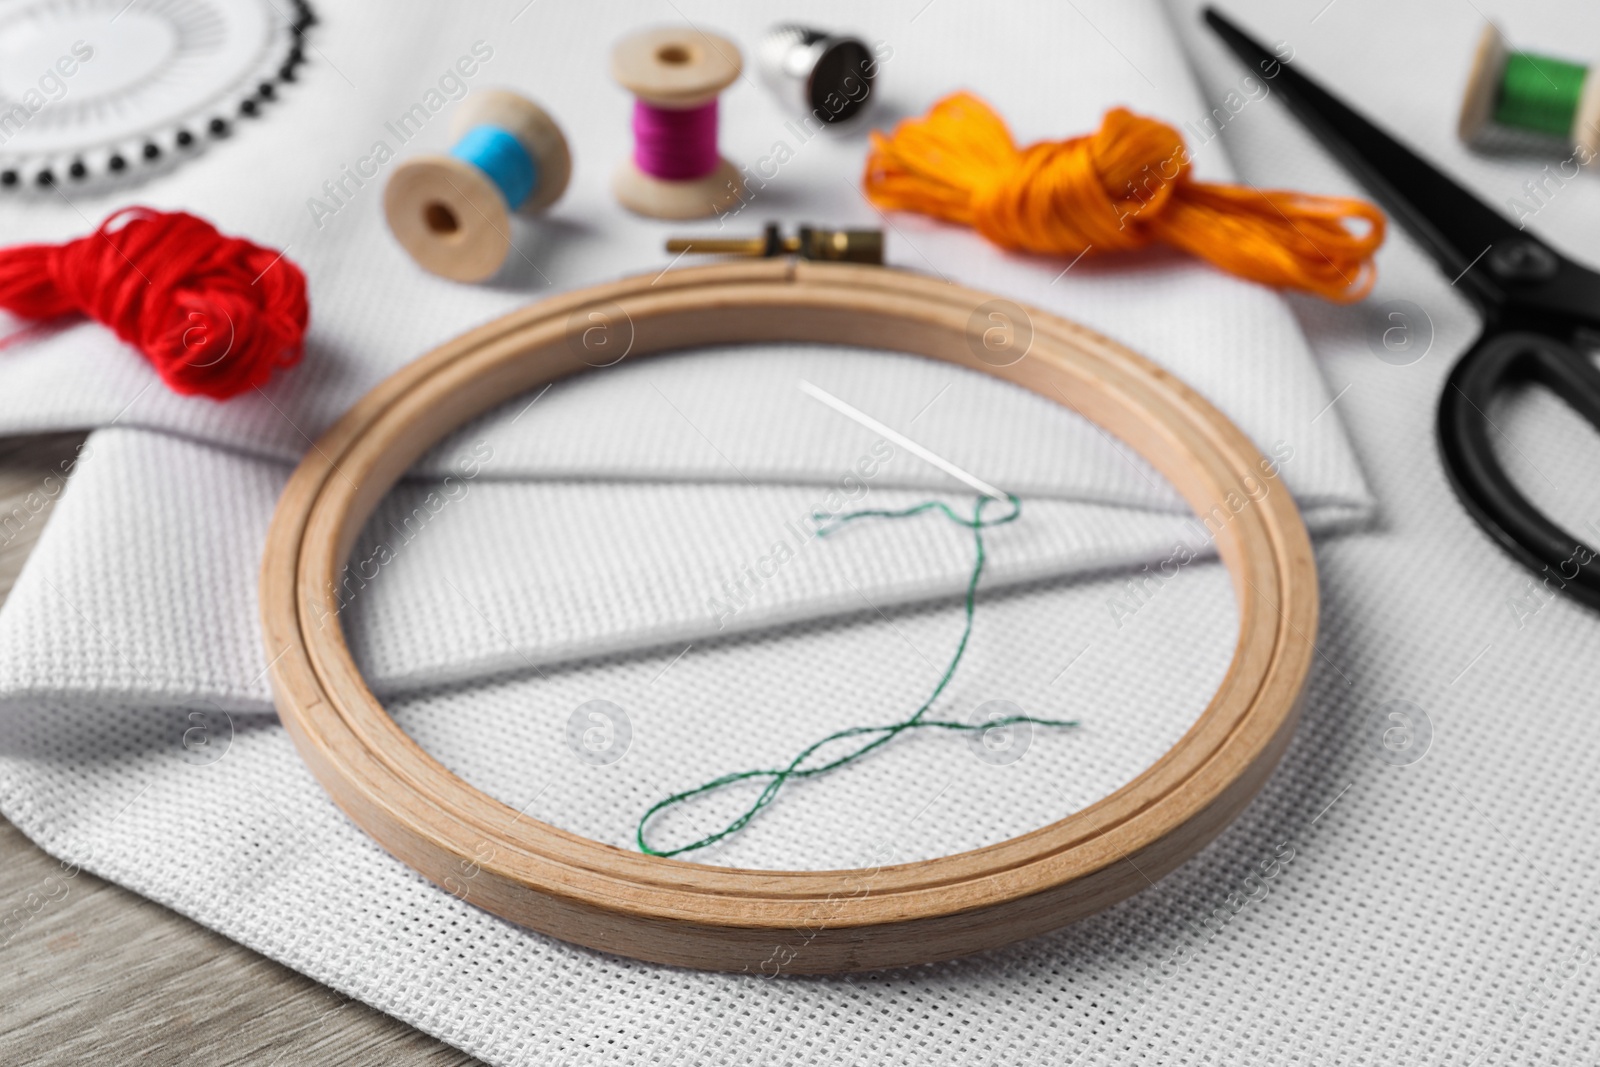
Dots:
{"x": 693, "y": 915}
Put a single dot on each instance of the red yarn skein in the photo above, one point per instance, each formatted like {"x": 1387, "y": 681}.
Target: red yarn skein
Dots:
{"x": 215, "y": 315}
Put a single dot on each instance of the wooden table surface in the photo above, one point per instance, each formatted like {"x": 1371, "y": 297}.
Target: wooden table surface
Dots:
{"x": 107, "y": 977}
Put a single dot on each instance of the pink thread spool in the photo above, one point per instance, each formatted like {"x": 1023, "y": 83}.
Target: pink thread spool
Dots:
{"x": 675, "y": 76}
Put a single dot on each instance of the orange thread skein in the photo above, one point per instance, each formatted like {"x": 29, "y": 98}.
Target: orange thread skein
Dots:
{"x": 1122, "y": 187}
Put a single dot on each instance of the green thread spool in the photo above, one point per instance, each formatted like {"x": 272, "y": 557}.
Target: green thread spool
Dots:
{"x": 1539, "y": 95}
{"x": 1517, "y": 100}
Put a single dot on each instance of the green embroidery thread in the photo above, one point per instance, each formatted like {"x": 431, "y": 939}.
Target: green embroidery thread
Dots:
{"x": 879, "y": 735}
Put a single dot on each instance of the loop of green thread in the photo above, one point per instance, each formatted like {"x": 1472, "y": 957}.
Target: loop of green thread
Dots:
{"x": 795, "y": 769}
{"x": 1539, "y": 94}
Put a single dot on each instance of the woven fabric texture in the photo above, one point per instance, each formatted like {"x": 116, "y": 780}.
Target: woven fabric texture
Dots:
{"x": 1361, "y": 911}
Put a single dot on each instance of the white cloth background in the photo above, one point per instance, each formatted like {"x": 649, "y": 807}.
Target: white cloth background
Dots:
{"x": 1438, "y": 912}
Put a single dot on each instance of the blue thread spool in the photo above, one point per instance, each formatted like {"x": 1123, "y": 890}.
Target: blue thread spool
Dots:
{"x": 452, "y": 213}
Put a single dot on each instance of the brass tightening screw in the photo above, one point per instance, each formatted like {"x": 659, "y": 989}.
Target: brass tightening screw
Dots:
{"x": 809, "y": 242}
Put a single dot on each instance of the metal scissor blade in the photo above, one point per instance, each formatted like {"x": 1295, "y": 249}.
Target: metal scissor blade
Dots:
{"x": 1452, "y": 224}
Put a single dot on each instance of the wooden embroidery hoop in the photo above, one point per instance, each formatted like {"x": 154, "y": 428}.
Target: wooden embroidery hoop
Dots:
{"x": 804, "y": 922}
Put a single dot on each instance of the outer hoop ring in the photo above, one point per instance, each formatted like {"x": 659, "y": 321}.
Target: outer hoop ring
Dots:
{"x": 670, "y": 911}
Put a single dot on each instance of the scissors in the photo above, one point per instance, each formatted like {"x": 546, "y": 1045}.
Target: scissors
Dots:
{"x": 1540, "y": 310}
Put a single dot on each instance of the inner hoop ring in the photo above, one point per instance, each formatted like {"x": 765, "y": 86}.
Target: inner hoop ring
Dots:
{"x": 802, "y": 922}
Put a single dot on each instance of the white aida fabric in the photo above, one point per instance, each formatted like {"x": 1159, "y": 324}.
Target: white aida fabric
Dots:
{"x": 1363, "y": 910}
{"x": 508, "y": 576}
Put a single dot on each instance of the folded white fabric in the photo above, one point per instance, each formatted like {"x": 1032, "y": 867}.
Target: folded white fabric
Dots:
{"x": 589, "y": 562}
{"x": 510, "y": 573}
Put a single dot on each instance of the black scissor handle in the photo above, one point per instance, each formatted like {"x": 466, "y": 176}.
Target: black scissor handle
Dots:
{"x": 1497, "y": 359}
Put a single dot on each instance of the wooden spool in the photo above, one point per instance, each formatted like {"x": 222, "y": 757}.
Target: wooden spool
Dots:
{"x": 676, "y": 68}
{"x": 449, "y": 215}
{"x": 692, "y": 915}
{"x": 1475, "y": 124}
